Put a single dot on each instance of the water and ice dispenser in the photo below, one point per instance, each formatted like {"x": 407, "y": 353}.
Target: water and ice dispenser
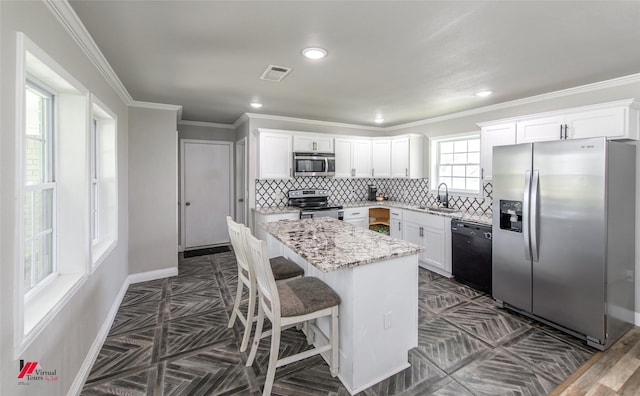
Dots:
{"x": 511, "y": 215}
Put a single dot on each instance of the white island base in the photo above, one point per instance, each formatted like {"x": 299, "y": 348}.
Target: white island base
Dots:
{"x": 378, "y": 315}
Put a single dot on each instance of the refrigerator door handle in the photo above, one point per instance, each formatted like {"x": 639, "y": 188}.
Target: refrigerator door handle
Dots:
{"x": 534, "y": 215}
{"x": 525, "y": 214}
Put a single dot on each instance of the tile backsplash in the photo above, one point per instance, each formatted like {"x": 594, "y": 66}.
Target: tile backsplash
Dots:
{"x": 273, "y": 192}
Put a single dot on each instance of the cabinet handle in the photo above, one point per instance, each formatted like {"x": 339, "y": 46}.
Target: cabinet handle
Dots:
{"x": 355, "y": 214}
{"x": 481, "y": 173}
{"x": 315, "y": 146}
{"x": 566, "y": 129}
{"x": 421, "y": 231}
{"x": 561, "y": 126}
{"x": 406, "y": 172}
{"x": 399, "y": 223}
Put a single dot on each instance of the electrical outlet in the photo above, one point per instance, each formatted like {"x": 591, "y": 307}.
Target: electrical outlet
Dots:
{"x": 387, "y": 320}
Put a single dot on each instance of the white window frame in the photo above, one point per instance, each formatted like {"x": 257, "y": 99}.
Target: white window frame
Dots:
{"x": 435, "y": 163}
{"x": 103, "y": 120}
{"x": 33, "y": 311}
{"x": 48, "y": 184}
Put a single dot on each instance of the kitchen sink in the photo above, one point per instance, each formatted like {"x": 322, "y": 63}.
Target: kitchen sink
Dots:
{"x": 439, "y": 210}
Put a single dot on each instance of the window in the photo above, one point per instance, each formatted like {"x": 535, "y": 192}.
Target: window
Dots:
{"x": 103, "y": 172}
{"x": 52, "y": 214}
{"x": 39, "y": 187}
{"x": 456, "y": 162}
{"x": 94, "y": 180}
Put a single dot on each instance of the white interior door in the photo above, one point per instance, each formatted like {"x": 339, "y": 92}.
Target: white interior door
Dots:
{"x": 207, "y": 192}
{"x": 241, "y": 181}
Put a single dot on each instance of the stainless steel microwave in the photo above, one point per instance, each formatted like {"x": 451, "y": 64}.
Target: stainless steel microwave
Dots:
{"x": 314, "y": 164}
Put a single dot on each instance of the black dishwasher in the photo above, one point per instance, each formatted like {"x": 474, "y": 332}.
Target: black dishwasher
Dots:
{"x": 471, "y": 254}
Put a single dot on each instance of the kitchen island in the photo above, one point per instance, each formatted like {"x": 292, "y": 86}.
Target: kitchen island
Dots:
{"x": 376, "y": 277}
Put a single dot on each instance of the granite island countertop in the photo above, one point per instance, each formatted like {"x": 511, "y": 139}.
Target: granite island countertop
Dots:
{"x": 330, "y": 244}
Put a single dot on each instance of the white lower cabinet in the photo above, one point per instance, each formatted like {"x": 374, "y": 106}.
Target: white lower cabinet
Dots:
{"x": 395, "y": 223}
{"x": 432, "y": 232}
{"x": 357, "y": 216}
{"x": 274, "y": 248}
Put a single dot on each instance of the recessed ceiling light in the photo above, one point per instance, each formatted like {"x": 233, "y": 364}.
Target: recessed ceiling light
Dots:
{"x": 378, "y": 120}
{"x": 483, "y": 94}
{"x": 256, "y": 105}
{"x": 314, "y": 53}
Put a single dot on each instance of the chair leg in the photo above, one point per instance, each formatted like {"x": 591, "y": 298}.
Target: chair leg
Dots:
{"x": 335, "y": 345}
{"x": 251, "y": 310}
{"x": 236, "y": 304}
{"x": 273, "y": 359}
{"x": 257, "y": 336}
{"x": 311, "y": 334}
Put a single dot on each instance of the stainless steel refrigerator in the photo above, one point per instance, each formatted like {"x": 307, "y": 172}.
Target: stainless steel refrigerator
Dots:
{"x": 564, "y": 235}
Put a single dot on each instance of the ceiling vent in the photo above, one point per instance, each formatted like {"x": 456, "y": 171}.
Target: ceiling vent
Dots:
{"x": 275, "y": 73}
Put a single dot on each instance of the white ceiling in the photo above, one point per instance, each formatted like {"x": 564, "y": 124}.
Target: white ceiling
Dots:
{"x": 407, "y": 61}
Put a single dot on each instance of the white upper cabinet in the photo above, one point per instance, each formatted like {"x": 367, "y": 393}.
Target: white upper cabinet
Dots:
{"x": 612, "y": 123}
{"x": 490, "y": 137}
{"x": 381, "y": 158}
{"x": 344, "y": 157}
{"x": 540, "y": 129}
{"x": 353, "y": 157}
{"x": 613, "y": 120}
{"x": 361, "y": 159}
{"x": 276, "y": 155}
{"x": 312, "y": 143}
{"x": 407, "y": 156}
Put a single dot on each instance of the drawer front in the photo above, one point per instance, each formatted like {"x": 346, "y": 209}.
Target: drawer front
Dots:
{"x": 355, "y": 213}
{"x": 395, "y": 214}
{"x": 435, "y": 221}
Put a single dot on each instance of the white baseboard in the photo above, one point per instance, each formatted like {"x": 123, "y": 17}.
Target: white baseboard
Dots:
{"x": 85, "y": 369}
{"x": 153, "y": 275}
{"x": 637, "y": 319}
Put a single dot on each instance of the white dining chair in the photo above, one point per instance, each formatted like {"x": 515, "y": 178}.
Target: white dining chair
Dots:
{"x": 282, "y": 268}
{"x": 286, "y": 304}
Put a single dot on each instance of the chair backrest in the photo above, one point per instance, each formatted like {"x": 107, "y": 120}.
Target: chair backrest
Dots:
{"x": 259, "y": 256}
{"x": 237, "y": 236}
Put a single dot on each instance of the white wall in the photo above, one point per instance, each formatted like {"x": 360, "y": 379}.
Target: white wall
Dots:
{"x": 65, "y": 342}
{"x": 153, "y": 190}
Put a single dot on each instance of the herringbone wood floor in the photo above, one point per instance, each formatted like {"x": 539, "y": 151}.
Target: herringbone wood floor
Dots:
{"x": 170, "y": 337}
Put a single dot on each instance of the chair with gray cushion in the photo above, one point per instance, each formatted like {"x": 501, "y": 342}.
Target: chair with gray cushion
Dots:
{"x": 282, "y": 268}
{"x": 286, "y": 304}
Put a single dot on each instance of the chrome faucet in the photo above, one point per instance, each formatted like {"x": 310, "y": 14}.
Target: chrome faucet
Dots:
{"x": 444, "y": 201}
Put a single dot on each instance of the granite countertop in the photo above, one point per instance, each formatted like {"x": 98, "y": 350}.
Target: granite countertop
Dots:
{"x": 485, "y": 219}
{"x": 330, "y": 244}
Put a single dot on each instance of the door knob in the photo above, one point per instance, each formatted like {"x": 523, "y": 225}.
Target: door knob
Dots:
{"x": 241, "y": 200}
{"x": 188, "y": 203}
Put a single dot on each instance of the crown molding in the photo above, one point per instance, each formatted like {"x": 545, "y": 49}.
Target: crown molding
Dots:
{"x": 614, "y": 82}
{"x": 155, "y": 106}
{"x": 241, "y": 120}
{"x": 250, "y": 116}
{"x": 207, "y": 124}
{"x": 74, "y": 26}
